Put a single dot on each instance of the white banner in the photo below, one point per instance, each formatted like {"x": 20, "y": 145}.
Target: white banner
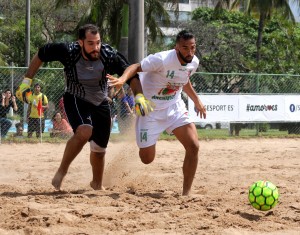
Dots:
{"x": 292, "y": 107}
{"x": 218, "y": 108}
{"x": 247, "y": 108}
{"x": 261, "y": 108}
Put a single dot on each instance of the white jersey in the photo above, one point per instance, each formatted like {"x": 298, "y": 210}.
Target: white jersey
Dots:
{"x": 163, "y": 77}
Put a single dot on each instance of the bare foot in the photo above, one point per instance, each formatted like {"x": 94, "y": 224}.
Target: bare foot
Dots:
{"x": 96, "y": 186}
{"x": 57, "y": 179}
{"x": 186, "y": 193}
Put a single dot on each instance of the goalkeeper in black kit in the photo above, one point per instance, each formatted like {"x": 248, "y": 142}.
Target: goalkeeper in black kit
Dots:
{"x": 87, "y": 65}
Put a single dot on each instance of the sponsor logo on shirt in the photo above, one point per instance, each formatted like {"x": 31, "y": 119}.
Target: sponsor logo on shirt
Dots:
{"x": 169, "y": 92}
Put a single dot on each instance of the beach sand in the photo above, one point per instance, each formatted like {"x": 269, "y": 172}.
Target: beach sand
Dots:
{"x": 146, "y": 199}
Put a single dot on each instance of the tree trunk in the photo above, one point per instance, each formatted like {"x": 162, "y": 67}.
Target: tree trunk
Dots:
{"x": 123, "y": 46}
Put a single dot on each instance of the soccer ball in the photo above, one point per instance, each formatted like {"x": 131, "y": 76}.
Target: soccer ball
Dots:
{"x": 263, "y": 195}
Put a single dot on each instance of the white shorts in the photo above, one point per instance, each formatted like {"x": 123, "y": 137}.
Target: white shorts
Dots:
{"x": 149, "y": 128}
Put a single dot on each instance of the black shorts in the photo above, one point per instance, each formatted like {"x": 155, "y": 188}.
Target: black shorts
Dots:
{"x": 34, "y": 125}
{"x": 80, "y": 112}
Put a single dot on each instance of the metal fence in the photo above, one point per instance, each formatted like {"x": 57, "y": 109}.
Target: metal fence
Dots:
{"x": 52, "y": 83}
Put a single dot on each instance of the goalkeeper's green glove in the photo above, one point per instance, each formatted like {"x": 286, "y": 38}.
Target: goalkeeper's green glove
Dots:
{"x": 142, "y": 105}
{"x": 23, "y": 92}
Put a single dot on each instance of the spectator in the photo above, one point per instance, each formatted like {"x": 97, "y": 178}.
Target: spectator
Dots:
{"x": 61, "y": 127}
{"x": 36, "y": 120}
{"x": 111, "y": 98}
{"x": 235, "y": 127}
{"x": 7, "y": 102}
{"x": 19, "y": 130}
{"x": 61, "y": 107}
{"x": 113, "y": 106}
{"x": 130, "y": 98}
{"x": 125, "y": 112}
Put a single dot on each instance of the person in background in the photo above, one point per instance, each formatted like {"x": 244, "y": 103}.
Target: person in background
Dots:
{"x": 164, "y": 76}
{"x": 111, "y": 98}
{"x": 8, "y": 101}
{"x": 235, "y": 128}
{"x": 61, "y": 128}
{"x": 130, "y": 98}
{"x": 125, "y": 112}
{"x": 19, "y": 130}
{"x": 36, "y": 120}
{"x": 61, "y": 107}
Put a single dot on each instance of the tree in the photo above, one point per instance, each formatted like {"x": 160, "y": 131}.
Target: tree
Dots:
{"x": 264, "y": 10}
{"x": 226, "y": 44}
{"x": 109, "y": 15}
{"x": 3, "y": 46}
{"x": 47, "y": 24}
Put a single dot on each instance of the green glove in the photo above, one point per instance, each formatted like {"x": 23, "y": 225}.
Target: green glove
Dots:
{"x": 23, "y": 92}
{"x": 142, "y": 105}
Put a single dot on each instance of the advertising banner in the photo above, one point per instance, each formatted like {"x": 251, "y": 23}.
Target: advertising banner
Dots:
{"x": 248, "y": 108}
{"x": 262, "y": 108}
{"x": 219, "y": 108}
{"x": 292, "y": 107}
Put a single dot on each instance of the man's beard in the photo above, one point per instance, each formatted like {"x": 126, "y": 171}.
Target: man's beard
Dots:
{"x": 185, "y": 59}
{"x": 89, "y": 56}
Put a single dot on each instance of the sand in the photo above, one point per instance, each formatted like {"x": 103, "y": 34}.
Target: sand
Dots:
{"x": 146, "y": 199}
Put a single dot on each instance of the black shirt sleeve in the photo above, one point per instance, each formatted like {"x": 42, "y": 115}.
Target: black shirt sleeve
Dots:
{"x": 114, "y": 62}
{"x": 54, "y": 52}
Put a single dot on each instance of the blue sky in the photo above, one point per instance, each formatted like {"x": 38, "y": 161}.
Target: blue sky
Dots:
{"x": 295, "y": 10}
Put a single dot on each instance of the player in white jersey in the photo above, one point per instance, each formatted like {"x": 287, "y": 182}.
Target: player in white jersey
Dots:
{"x": 164, "y": 76}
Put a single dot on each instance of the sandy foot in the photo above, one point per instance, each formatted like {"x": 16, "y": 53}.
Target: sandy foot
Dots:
{"x": 57, "y": 179}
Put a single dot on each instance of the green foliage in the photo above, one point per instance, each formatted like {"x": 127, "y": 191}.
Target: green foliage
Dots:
{"x": 46, "y": 25}
{"x": 219, "y": 50}
{"x": 226, "y": 40}
{"x": 108, "y": 16}
{"x": 159, "y": 45}
{"x": 3, "y": 46}
{"x": 263, "y": 127}
{"x": 264, "y": 11}
{"x": 227, "y": 43}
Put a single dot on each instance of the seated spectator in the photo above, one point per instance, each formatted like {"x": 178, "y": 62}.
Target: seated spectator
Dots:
{"x": 61, "y": 128}
{"x": 19, "y": 130}
{"x": 8, "y": 101}
{"x": 61, "y": 107}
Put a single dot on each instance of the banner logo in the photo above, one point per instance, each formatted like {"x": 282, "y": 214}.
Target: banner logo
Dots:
{"x": 292, "y": 108}
{"x": 263, "y": 107}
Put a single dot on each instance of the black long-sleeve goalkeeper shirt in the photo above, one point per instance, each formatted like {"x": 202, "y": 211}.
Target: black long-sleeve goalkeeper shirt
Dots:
{"x": 85, "y": 79}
